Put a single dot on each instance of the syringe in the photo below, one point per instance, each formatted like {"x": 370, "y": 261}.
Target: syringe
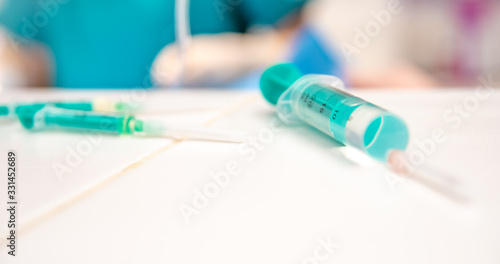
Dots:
{"x": 99, "y": 104}
{"x": 50, "y": 117}
{"x": 321, "y": 101}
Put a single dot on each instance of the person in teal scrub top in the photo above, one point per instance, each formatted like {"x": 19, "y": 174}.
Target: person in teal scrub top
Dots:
{"x": 113, "y": 43}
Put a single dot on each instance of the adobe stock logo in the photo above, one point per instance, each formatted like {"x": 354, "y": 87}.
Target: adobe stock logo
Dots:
{"x": 41, "y": 18}
{"x": 323, "y": 251}
{"x": 220, "y": 181}
{"x": 223, "y": 6}
{"x": 372, "y": 29}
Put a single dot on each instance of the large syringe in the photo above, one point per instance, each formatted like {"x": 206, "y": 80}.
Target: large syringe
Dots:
{"x": 322, "y": 102}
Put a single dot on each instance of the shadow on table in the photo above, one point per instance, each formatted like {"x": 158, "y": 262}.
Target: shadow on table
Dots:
{"x": 321, "y": 141}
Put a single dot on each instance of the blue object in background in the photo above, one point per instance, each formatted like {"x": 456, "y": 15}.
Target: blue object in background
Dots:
{"x": 312, "y": 56}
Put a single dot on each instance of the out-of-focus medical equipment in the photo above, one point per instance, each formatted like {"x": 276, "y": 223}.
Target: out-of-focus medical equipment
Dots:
{"x": 182, "y": 34}
{"x": 100, "y": 104}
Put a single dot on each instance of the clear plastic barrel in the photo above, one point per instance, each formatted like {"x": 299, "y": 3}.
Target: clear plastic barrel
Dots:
{"x": 320, "y": 101}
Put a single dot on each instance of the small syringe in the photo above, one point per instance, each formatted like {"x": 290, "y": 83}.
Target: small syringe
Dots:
{"x": 50, "y": 117}
{"x": 99, "y": 104}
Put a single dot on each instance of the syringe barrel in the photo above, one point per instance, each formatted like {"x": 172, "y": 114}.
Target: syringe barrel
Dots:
{"x": 321, "y": 101}
{"x": 53, "y": 117}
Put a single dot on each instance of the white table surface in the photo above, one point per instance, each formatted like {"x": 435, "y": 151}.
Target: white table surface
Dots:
{"x": 120, "y": 203}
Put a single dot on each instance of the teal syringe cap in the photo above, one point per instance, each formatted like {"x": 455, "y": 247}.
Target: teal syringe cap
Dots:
{"x": 277, "y": 79}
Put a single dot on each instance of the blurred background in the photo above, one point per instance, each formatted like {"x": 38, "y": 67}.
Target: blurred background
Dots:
{"x": 228, "y": 43}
